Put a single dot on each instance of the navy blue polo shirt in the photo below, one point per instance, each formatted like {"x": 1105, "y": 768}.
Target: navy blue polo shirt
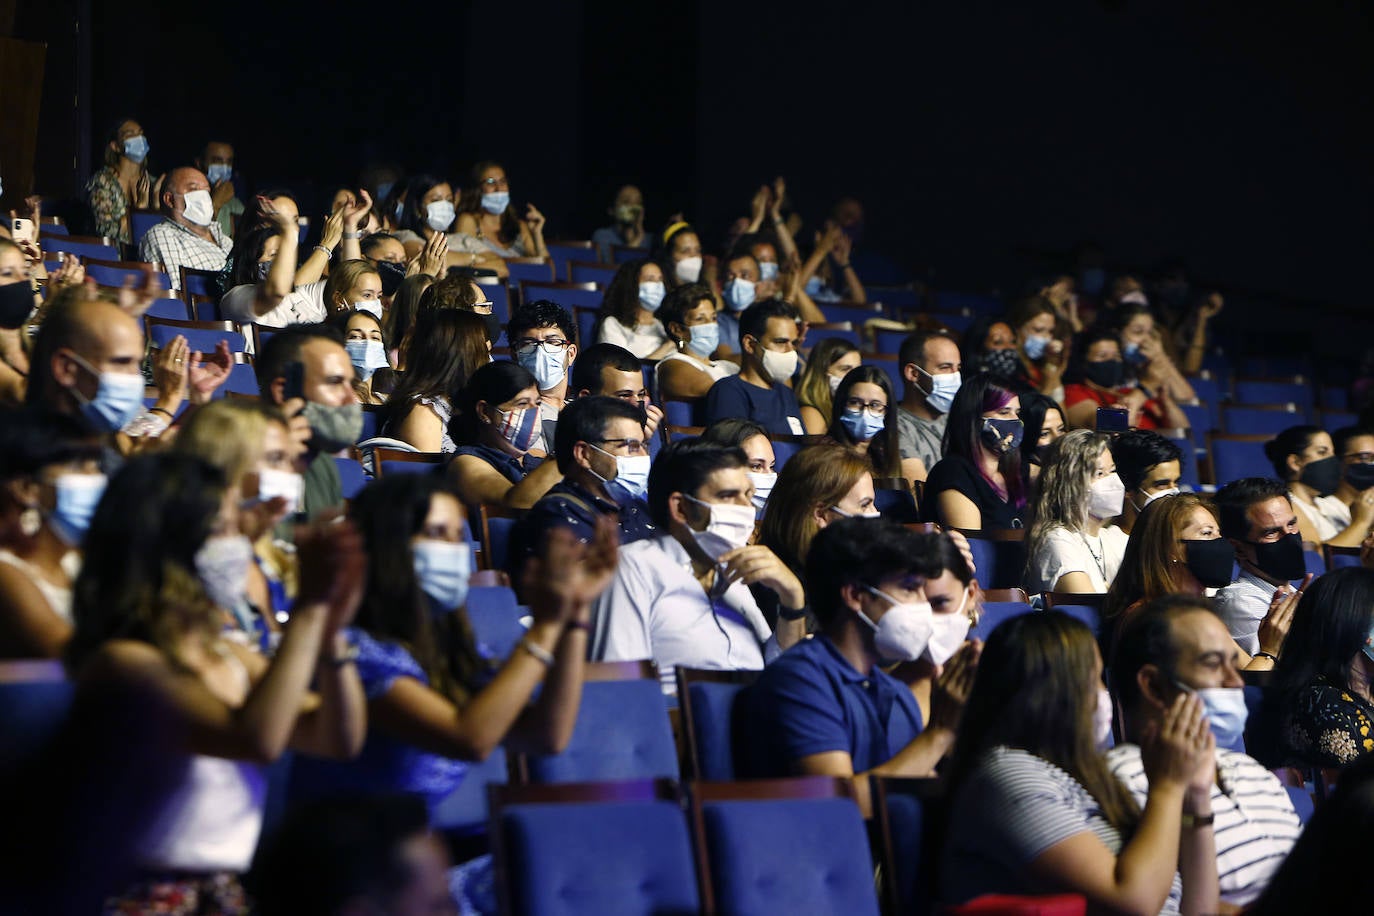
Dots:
{"x": 810, "y": 700}
{"x": 774, "y": 408}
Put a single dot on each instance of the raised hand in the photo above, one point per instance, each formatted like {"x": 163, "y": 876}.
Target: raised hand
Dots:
{"x": 355, "y": 211}
{"x": 332, "y": 233}
{"x": 207, "y": 373}
{"x": 567, "y": 576}
{"x": 779, "y": 192}
{"x": 135, "y": 300}
{"x": 333, "y": 570}
{"x": 534, "y": 219}
{"x": 1181, "y": 746}
{"x": 759, "y": 205}
{"x": 1273, "y": 629}
{"x": 298, "y": 431}
{"x": 283, "y": 222}
{"x": 758, "y": 565}
{"x": 170, "y": 370}
{"x": 143, "y": 190}
{"x": 433, "y": 258}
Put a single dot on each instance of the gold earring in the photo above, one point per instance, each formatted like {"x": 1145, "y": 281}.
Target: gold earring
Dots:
{"x": 30, "y": 520}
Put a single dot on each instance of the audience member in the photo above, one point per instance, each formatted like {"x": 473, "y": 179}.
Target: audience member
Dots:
{"x": 188, "y": 235}
{"x": 217, "y": 162}
{"x": 1355, "y": 447}
{"x": 543, "y": 340}
{"x": 931, "y": 368}
{"x": 1176, "y": 647}
{"x": 399, "y": 322}
{"x": 262, "y": 277}
{"x": 1072, "y": 545}
{"x": 484, "y": 213}
{"x": 123, "y": 185}
{"x": 680, "y": 257}
{"x": 866, "y": 421}
{"x": 50, "y": 483}
{"x": 752, "y": 439}
{"x": 613, "y": 371}
{"x": 447, "y": 347}
{"x": 1149, "y": 466}
{"x": 627, "y": 227}
{"x": 1043, "y": 421}
{"x": 989, "y": 346}
{"x": 1146, "y": 353}
{"x": 1040, "y": 354}
{"x": 977, "y": 484}
{"x": 738, "y": 290}
{"x": 830, "y": 360}
{"x": 372, "y": 376}
{"x": 1035, "y": 807}
{"x": 769, "y": 334}
{"x": 1098, "y": 377}
{"x": 682, "y": 597}
{"x": 688, "y": 316}
{"x": 826, "y": 706}
{"x": 1305, "y": 459}
{"x": 147, "y": 608}
{"x": 626, "y": 318}
{"x": 1257, "y": 517}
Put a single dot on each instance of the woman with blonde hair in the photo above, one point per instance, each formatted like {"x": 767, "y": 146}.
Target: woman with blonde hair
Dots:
{"x": 354, "y": 284}
{"x": 1072, "y": 545}
{"x": 830, "y": 361}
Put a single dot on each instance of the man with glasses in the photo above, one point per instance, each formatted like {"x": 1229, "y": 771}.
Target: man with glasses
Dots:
{"x": 1257, "y": 517}
{"x": 543, "y": 339}
{"x": 768, "y": 336}
{"x": 601, "y": 452}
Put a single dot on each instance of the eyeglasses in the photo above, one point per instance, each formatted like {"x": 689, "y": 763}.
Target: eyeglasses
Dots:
{"x": 495, "y": 183}
{"x": 632, "y": 446}
{"x": 874, "y": 408}
{"x": 550, "y": 345}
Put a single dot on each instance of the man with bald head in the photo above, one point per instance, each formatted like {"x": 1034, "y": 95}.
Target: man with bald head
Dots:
{"x": 85, "y": 363}
{"x": 189, "y": 235}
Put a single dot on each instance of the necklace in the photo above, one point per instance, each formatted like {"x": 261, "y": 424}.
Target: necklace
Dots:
{"x": 1098, "y": 555}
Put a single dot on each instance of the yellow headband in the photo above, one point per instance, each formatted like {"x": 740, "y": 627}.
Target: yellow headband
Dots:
{"x": 668, "y": 233}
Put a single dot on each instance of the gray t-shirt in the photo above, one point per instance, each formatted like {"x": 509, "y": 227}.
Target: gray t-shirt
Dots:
{"x": 921, "y": 438}
{"x": 1010, "y": 810}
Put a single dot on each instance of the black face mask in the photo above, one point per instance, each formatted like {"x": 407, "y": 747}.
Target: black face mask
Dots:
{"x": 493, "y": 327}
{"x": 1360, "y": 476}
{"x": 1107, "y": 374}
{"x": 1281, "y": 559}
{"x": 1210, "y": 562}
{"x": 1322, "y": 475}
{"x": 392, "y": 274}
{"x": 16, "y": 302}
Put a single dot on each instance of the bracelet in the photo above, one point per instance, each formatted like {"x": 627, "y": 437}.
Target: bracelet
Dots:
{"x": 352, "y": 235}
{"x": 578, "y": 625}
{"x": 1269, "y": 655}
{"x": 164, "y": 411}
{"x": 539, "y": 652}
{"x": 328, "y": 255}
{"x": 790, "y": 615}
{"x": 349, "y": 656}
{"x": 1198, "y": 820}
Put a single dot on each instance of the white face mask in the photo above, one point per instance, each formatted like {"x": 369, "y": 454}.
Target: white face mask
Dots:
{"x": 779, "y": 366}
{"x": 1102, "y": 718}
{"x": 222, "y": 567}
{"x": 439, "y": 215}
{"x": 943, "y": 388}
{"x": 948, "y": 633}
{"x": 688, "y": 270}
{"x": 371, "y": 306}
{"x": 903, "y": 632}
{"x": 834, "y": 381}
{"x": 729, "y": 528}
{"x": 443, "y": 569}
{"x": 287, "y": 485}
{"x": 763, "y": 485}
{"x": 1105, "y": 497}
{"x": 1151, "y": 497}
{"x": 199, "y": 208}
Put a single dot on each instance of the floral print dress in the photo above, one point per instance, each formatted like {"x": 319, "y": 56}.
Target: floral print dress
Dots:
{"x": 109, "y": 205}
{"x": 1327, "y": 726}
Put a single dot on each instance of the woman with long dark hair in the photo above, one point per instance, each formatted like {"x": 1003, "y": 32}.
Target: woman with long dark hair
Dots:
{"x": 978, "y": 482}
{"x": 626, "y": 318}
{"x": 485, "y": 213}
{"x": 447, "y": 346}
{"x": 1036, "y": 809}
{"x": 865, "y": 419}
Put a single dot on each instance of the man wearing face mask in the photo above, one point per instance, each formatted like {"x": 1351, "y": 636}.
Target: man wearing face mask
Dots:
{"x": 682, "y": 597}
{"x": 1258, "y": 518}
{"x": 930, "y": 379}
{"x": 1150, "y": 466}
{"x": 604, "y": 460}
{"x": 325, "y": 408}
{"x": 739, "y": 289}
{"x": 768, "y": 337}
{"x": 188, "y": 236}
{"x": 1176, "y": 644}
{"x": 543, "y": 339}
{"x": 217, "y": 162}
{"x": 828, "y": 706}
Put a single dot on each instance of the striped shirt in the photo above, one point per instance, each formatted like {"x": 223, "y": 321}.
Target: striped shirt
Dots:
{"x": 1255, "y": 824}
{"x": 1010, "y": 810}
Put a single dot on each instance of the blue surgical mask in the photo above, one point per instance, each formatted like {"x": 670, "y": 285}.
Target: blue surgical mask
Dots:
{"x": 136, "y": 148}
{"x": 117, "y": 401}
{"x": 1227, "y": 713}
{"x": 367, "y": 356}
{"x": 651, "y": 294}
{"x": 705, "y": 339}
{"x": 861, "y": 425}
{"x": 1035, "y": 346}
{"x": 496, "y": 202}
{"x": 739, "y": 294}
{"x": 219, "y": 172}
{"x": 439, "y": 215}
{"x": 631, "y": 475}
{"x": 443, "y": 569}
{"x": 547, "y": 368}
{"x": 768, "y": 270}
{"x": 943, "y": 388}
{"x": 813, "y": 286}
{"x": 77, "y": 497}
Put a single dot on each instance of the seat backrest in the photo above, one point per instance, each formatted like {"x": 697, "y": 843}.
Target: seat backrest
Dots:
{"x": 352, "y": 476}
{"x": 622, "y": 732}
{"x": 1201, "y": 421}
{"x": 1021, "y": 905}
{"x": 680, "y": 413}
{"x": 591, "y": 272}
{"x": 1341, "y": 557}
{"x": 496, "y": 541}
{"x": 1188, "y": 471}
{"x": 35, "y": 697}
{"x": 398, "y": 461}
{"x": 708, "y": 701}
{"x": 994, "y": 613}
{"x": 84, "y": 246}
{"x": 1234, "y": 457}
{"x": 622, "y": 253}
{"x": 788, "y": 855}
{"x": 565, "y": 252}
{"x": 465, "y": 810}
{"x": 1274, "y": 391}
{"x": 908, "y": 815}
{"x": 494, "y": 614}
{"x": 140, "y": 221}
{"x": 816, "y": 333}
{"x": 499, "y": 294}
{"x": 1084, "y": 613}
{"x": 174, "y": 309}
{"x": 1254, "y": 421}
{"x": 999, "y": 556}
{"x": 199, "y": 282}
{"x": 200, "y": 335}
{"x": 529, "y": 269}
{"x": 595, "y": 857}
{"x": 115, "y": 273}
{"x": 571, "y": 296}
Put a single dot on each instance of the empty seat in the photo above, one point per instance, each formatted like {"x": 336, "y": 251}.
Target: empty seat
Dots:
{"x": 352, "y": 475}
{"x": 622, "y": 732}
{"x": 1234, "y": 457}
{"x": 35, "y": 697}
{"x": 816, "y": 333}
{"x": 530, "y": 269}
{"x": 995, "y": 612}
{"x": 708, "y": 702}
{"x": 83, "y": 246}
{"x": 564, "y": 253}
{"x": 999, "y": 555}
{"x": 589, "y": 272}
{"x": 204, "y": 336}
{"x": 1274, "y": 392}
{"x": 1255, "y": 421}
{"x": 569, "y": 295}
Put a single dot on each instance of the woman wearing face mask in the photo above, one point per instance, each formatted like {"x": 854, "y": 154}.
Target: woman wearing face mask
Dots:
{"x": 262, "y": 277}
{"x": 449, "y": 345}
{"x": 1040, "y": 354}
{"x": 149, "y": 634}
{"x": 1354, "y": 445}
{"x": 1323, "y": 709}
{"x": 1146, "y": 353}
{"x": 688, "y": 316}
{"x": 627, "y": 317}
{"x": 680, "y": 257}
{"x": 752, "y": 439}
{"x": 50, "y": 483}
{"x": 1097, "y": 377}
{"x": 1036, "y": 809}
{"x": 124, "y": 184}
{"x": 1072, "y": 545}
{"x": 366, "y": 346}
{"x": 399, "y": 322}
{"x": 435, "y": 703}
{"x": 1305, "y": 458}
{"x": 990, "y": 346}
{"x": 353, "y": 285}
{"x": 1044, "y": 422}
{"x": 495, "y": 424}
{"x": 829, "y": 362}
{"x": 427, "y": 214}
{"x": 978, "y": 482}
{"x": 865, "y": 419}
{"x": 627, "y": 230}
{"x": 485, "y": 213}
{"x": 252, "y": 445}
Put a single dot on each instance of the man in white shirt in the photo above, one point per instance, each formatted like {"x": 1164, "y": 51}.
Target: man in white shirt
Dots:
{"x": 682, "y": 598}
{"x": 1257, "y": 517}
{"x": 1175, "y": 645}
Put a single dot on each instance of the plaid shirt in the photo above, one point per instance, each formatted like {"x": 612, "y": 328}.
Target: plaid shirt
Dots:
{"x": 174, "y": 246}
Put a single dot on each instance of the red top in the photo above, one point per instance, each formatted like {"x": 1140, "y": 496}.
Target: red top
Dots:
{"x": 1150, "y": 415}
